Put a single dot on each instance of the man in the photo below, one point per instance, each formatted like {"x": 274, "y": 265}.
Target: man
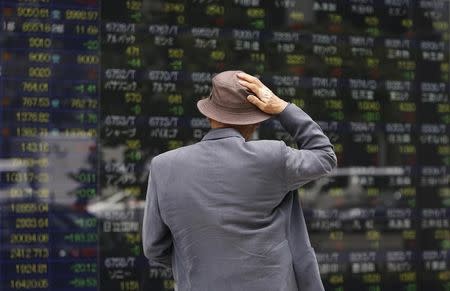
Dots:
{"x": 222, "y": 212}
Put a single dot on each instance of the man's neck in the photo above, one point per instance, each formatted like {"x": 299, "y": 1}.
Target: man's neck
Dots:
{"x": 245, "y": 130}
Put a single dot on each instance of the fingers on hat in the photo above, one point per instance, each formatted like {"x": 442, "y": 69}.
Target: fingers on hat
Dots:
{"x": 248, "y": 78}
{"x": 255, "y": 101}
{"x": 249, "y": 85}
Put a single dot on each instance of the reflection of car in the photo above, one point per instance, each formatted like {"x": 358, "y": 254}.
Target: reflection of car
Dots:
{"x": 355, "y": 206}
{"x": 348, "y": 188}
{"x": 120, "y": 201}
{"x": 65, "y": 239}
{"x": 62, "y": 223}
{"x": 13, "y": 180}
{"x": 59, "y": 236}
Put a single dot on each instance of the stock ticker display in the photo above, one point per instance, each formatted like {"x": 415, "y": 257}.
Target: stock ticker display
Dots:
{"x": 91, "y": 91}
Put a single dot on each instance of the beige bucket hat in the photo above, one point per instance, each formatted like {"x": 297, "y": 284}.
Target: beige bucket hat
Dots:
{"x": 227, "y": 102}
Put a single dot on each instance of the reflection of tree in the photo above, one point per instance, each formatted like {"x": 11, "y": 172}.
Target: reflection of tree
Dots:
{"x": 124, "y": 168}
{"x": 87, "y": 177}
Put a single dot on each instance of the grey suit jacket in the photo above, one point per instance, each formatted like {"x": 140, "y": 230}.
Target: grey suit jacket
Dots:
{"x": 223, "y": 215}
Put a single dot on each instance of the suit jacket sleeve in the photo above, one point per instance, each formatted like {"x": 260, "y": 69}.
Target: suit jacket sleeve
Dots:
{"x": 156, "y": 236}
{"x": 315, "y": 156}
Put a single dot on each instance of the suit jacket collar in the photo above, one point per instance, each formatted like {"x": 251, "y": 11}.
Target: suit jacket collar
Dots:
{"x": 219, "y": 133}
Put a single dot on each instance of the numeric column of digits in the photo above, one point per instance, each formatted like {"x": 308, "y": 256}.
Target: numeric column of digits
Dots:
{"x": 52, "y": 74}
{"x": 75, "y": 96}
{"x": 433, "y": 196}
{"x": 332, "y": 269}
{"x": 129, "y": 46}
{"x": 25, "y": 234}
{"x": 435, "y": 258}
{"x": 207, "y": 46}
{"x": 398, "y": 71}
{"x": 433, "y": 145}
{"x": 398, "y": 65}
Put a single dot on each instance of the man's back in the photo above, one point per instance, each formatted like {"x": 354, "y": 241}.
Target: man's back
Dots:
{"x": 220, "y": 212}
{"x": 223, "y": 204}
{"x": 220, "y": 202}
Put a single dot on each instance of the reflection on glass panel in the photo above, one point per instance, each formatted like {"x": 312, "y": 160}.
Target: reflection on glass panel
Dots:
{"x": 91, "y": 91}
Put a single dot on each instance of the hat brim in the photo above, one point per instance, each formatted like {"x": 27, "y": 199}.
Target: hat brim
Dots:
{"x": 209, "y": 109}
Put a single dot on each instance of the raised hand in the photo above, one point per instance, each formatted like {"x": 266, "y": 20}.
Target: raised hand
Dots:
{"x": 265, "y": 100}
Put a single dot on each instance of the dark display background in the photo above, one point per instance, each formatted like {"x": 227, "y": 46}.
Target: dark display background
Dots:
{"x": 91, "y": 91}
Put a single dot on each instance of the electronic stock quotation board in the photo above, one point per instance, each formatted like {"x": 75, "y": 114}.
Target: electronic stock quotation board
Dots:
{"x": 92, "y": 90}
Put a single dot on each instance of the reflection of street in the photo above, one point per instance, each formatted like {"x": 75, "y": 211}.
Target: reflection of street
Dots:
{"x": 120, "y": 201}
{"x": 13, "y": 180}
{"x": 347, "y": 188}
{"x": 103, "y": 237}
{"x": 359, "y": 209}
{"x": 62, "y": 168}
{"x": 63, "y": 240}
{"x": 55, "y": 220}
